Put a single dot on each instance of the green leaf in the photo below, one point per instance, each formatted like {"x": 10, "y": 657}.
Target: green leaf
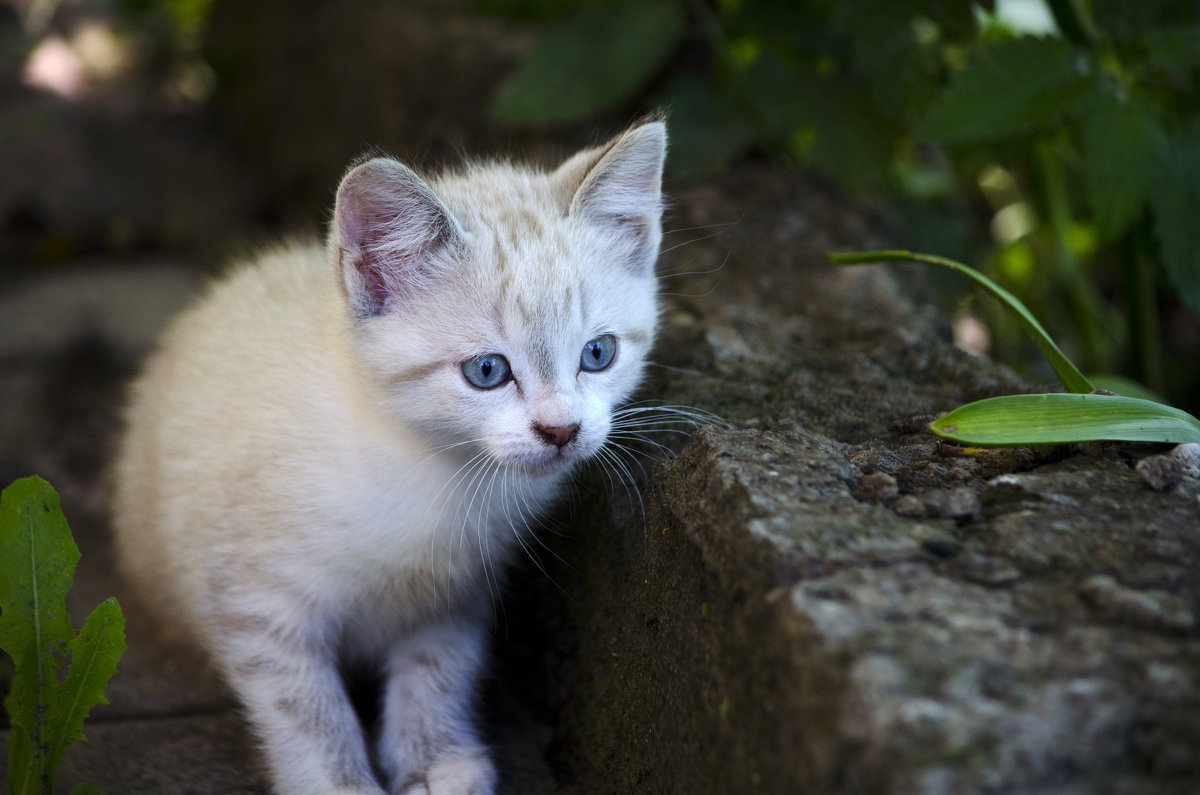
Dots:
{"x": 1066, "y": 371}
{"x": 94, "y": 656}
{"x": 898, "y": 68}
{"x": 705, "y": 134}
{"x": 1010, "y": 87}
{"x": 1126, "y": 18}
{"x": 1062, "y": 418}
{"x": 825, "y": 120}
{"x": 37, "y": 565}
{"x": 1124, "y": 148}
{"x": 1175, "y": 201}
{"x": 38, "y": 557}
{"x": 1173, "y": 50}
{"x": 589, "y": 61}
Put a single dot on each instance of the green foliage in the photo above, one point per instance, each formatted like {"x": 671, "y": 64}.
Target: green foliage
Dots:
{"x": 1124, "y": 147}
{"x": 1091, "y": 117}
{"x": 591, "y": 60}
{"x": 46, "y": 707}
{"x": 1051, "y": 418}
{"x": 1009, "y": 88}
{"x": 1176, "y": 197}
{"x": 186, "y": 19}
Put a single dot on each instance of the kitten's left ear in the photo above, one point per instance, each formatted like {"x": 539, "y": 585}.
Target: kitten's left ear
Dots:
{"x": 620, "y": 190}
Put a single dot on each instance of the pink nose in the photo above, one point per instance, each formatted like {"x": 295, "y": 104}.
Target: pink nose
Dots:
{"x": 558, "y": 436}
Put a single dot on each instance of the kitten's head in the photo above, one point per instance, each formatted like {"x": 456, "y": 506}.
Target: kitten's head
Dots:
{"x": 503, "y": 307}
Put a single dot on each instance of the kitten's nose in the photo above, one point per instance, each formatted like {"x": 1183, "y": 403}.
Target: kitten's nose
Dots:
{"x": 559, "y": 436}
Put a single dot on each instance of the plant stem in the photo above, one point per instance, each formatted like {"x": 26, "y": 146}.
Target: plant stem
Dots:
{"x": 1080, "y": 293}
{"x": 1074, "y": 21}
{"x": 1144, "y": 355}
{"x": 1066, "y": 371}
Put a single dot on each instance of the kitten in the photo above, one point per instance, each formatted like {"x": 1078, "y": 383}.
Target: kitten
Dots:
{"x": 333, "y": 450}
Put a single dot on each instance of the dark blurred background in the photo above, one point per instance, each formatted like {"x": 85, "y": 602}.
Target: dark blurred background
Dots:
{"x": 1053, "y": 144}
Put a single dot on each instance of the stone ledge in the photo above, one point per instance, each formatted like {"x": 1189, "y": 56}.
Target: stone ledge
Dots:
{"x": 772, "y": 634}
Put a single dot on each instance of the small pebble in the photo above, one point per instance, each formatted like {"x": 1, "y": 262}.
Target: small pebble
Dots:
{"x": 1160, "y": 472}
{"x": 910, "y": 507}
{"x": 1188, "y": 456}
{"x": 959, "y": 503}
{"x": 878, "y": 487}
{"x": 987, "y": 570}
{"x": 1115, "y": 602}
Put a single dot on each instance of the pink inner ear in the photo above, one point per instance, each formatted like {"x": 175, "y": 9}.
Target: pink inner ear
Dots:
{"x": 392, "y": 229}
{"x": 359, "y": 234}
{"x": 375, "y": 286}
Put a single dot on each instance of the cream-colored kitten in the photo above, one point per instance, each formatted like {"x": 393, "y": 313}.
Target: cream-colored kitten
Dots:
{"x": 335, "y": 446}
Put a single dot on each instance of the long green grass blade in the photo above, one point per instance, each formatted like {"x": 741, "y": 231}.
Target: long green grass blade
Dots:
{"x": 1063, "y": 418}
{"x": 1066, "y": 371}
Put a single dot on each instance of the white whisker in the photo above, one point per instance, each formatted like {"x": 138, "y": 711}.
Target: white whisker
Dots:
{"x": 721, "y": 229}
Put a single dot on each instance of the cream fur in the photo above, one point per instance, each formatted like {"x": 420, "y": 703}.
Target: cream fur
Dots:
{"x": 307, "y": 478}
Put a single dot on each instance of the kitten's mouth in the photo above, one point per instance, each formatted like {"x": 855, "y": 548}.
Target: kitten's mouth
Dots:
{"x": 550, "y": 463}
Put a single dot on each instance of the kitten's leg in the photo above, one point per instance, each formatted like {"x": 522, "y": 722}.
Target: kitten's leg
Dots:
{"x": 429, "y": 744}
{"x": 296, "y": 700}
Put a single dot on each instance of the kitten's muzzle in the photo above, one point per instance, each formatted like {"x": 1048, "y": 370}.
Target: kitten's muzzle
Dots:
{"x": 558, "y": 435}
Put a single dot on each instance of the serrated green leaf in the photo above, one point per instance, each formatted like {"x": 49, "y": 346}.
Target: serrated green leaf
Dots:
{"x": 705, "y": 134}
{"x": 1173, "y": 50}
{"x": 898, "y": 70}
{"x": 37, "y": 566}
{"x": 1010, "y": 87}
{"x": 589, "y": 61}
{"x": 38, "y": 558}
{"x": 1125, "y": 19}
{"x": 94, "y": 656}
{"x": 826, "y": 120}
{"x": 1124, "y": 148}
{"x": 1023, "y": 420}
{"x": 1175, "y": 201}
{"x": 1063, "y": 367}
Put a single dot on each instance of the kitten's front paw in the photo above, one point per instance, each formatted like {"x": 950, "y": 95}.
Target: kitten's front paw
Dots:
{"x": 466, "y": 775}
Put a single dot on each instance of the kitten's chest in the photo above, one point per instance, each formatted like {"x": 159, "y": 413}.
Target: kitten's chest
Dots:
{"x": 413, "y": 524}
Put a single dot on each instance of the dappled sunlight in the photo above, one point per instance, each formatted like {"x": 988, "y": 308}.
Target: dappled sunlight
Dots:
{"x": 971, "y": 335}
{"x": 93, "y": 56}
{"x": 100, "y": 54}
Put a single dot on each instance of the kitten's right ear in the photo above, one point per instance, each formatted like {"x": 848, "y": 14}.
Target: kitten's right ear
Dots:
{"x": 390, "y": 234}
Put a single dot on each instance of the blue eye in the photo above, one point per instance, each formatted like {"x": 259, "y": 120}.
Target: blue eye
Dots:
{"x": 488, "y": 371}
{"x": 598, "y": 353}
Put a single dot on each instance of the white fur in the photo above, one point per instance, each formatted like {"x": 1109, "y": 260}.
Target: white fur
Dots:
{"x": 308, "y": 479}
